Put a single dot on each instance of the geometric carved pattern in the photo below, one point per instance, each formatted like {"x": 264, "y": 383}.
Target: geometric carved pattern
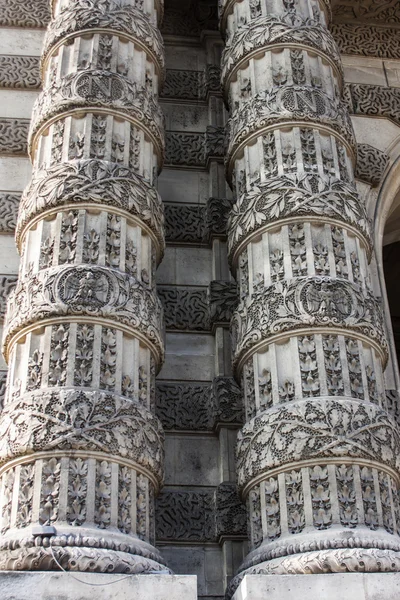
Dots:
{"x": 185, "y": 308}
{"x": 194, "y": 149}
{"x": 184, "y": 223}
{"x": 201, "y": 516}
{"x": 32, "y": 13}
{"x": 9, "y": 202}
{"x": 365, "y": 40}
{"x": 373, "y": 100}
{"x": 371, "y": 164}
{"x": 197, "y": 224}
{"x": 19, "y": 72}
{"x": 199, "y": 406}
{"x": 13, "y": 136}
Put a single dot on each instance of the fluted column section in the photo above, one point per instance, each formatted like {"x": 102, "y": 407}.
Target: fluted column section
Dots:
{"x": 318, "y": 457}
{"x": 80, "y": 447}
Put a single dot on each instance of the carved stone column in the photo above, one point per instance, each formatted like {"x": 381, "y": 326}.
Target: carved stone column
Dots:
{"x": 80, "y": 447}
{"x": 318, "y": 457}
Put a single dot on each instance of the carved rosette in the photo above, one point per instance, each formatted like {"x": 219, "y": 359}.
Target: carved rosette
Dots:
{"x": 81, "y": 448}
{"x": 318, "y": 454}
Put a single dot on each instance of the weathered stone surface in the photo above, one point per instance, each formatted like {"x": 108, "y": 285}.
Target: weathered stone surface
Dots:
{"x": 349, "y": 586}
{"x": 63, "y": 586}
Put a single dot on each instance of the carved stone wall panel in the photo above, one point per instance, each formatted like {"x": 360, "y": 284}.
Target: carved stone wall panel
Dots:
{"x": 374, "y": 100}
{"x": 184, "y": 406}
{"x": 364, "y": 40}
{"x": 387, "y": 11}
{"x": 216, "y": 218}
{"x": 201, "y": 516}
{"x": 185, "y": 85}
{"x": 7, "y": 284}
{"x": 185, "y": 309}
{"x": 371, "y": 164}
{"x": 231, "y": 512}
{"x": 3, "y": 381}
{"x": 223, "y": 298}
{"x": 227, "y": 401}
{"x": 9, "y": 202}
{"x": 13, "y": 136}
{"x": 19, "y": 72}
{"x": 184, "y": 224}
{"x": 34, "y": 13}
{"x": 186, "y": 515}
{"x": 184, "y": 148}
{"x": 200, "y": 406}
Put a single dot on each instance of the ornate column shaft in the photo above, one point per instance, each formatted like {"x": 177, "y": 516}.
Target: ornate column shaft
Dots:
{"x": 318, "y": 457}
{"x": 80, "y": 447}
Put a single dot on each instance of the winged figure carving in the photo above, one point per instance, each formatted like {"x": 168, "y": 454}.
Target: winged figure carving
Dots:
{"x": 327, "y": 299}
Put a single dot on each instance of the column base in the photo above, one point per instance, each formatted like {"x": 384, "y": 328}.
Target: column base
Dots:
{"x": 43, "y": 585}
{"x": 346, "y": 586}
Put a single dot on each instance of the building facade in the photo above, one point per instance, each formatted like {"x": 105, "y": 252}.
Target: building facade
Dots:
{"x": 199, "y": 254}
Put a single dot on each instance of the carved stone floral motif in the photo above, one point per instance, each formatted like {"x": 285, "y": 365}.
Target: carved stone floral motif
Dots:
{"x": 267, "y": 32}
{"x": 91, "y": 420}
{"x": 310, "y": 429}
{"x": 100, "y": 89}
{"x": 314, "y": 302}
{"x": 86, "y": 290}
{"x": 128, "y": 20}
{"x": 295, "y": 195}
{"x": 87, "y": 180}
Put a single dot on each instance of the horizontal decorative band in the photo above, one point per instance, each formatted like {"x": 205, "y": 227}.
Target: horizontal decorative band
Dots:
{"x": 19, "y": 72}
{"x": 316, "y": 429}
{"x": 266, "y": 33}
{"x": 188, "y": 309}
{"x": 13, "y": 136}
{"x": 89, "y": 90}
{"x": 185, "y": 309}
{"x": 9, "y": 202}
{"x": 309, "y": 302}
{"x": 94, "y": 182}
{"x": 225, "y": 8}
{"x": 199, "y": 406}
{"x": 367, "y": 40}
{"x": 371, "y": 164}
{"x": 90, "y": 17}
{"x": 71, "y": 419}
{"x": 184, "y": 84}
{"x": 287, "y": 105}
{"x": 373, "y": 100}
{"x": 200, "y": 516}
{"x": 40, "y": 557}
{"x": 93, "y": 291}
{"x": 33, "y": 13}
{"x": 293, "y": 195}
{"x": 194, "y": 149}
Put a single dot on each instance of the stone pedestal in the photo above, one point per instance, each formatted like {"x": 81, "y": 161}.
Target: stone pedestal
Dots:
{"x": 346, "y": 586}
{"x": 85, "y": 586}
